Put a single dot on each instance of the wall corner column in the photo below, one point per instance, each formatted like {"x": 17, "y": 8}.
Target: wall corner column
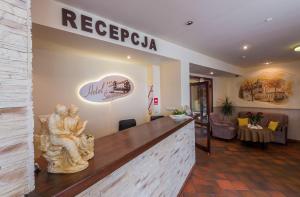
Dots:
{"x": 16, "y": 116}
{"x": 185, "y": 82}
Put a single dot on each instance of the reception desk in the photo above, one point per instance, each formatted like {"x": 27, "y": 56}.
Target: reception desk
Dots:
{"x": 152, "y": 159}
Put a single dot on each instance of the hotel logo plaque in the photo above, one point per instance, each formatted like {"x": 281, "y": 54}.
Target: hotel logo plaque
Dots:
{"x": 107, "y": 89}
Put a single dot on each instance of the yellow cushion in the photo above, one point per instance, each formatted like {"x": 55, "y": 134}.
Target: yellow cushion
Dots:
{"x": 273, "y": 125}
{"x": 243, "y": 121}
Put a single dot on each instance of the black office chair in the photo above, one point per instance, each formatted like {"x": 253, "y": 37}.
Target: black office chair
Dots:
{"x": 125, "y": 124}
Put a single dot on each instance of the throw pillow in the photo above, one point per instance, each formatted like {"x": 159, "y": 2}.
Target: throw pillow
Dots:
{"x": 243, "y": 121}
{"x": 273, "y": 125}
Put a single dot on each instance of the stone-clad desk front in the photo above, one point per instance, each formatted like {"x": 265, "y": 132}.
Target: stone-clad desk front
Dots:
{"x": 152, "y": 159}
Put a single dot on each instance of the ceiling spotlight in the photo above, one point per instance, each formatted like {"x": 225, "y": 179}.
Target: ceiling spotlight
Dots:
{"x": 297, "y": 49}
{"x": 128, "y": 57}
{"x": 269, "y": 19}
{"x": 268, "y": 63}
{"x": 211, "y": 73}
{"x": 245, "y": 47}
{"x": 189, "y": 22}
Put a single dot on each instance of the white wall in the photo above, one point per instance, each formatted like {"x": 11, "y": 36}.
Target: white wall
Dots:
{"x": 58, "y": 74}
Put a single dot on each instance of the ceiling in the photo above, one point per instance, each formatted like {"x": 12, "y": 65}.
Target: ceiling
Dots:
{"x": 202, "y": 70}
{"x": 220, "y": 27}
{"x": 53, "y": 39}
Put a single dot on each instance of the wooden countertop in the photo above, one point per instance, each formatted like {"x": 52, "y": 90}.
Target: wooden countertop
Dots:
{"x": 111, "y": 152}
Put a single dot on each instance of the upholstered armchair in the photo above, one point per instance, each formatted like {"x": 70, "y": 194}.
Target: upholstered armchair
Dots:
{"x": 224, "y": 129}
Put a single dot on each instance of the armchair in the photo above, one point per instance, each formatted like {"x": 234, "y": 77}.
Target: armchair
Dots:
{"x": 223, "y": 129}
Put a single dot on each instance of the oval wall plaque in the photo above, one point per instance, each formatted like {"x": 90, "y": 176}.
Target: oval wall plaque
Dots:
{"x": 107, "y": 89}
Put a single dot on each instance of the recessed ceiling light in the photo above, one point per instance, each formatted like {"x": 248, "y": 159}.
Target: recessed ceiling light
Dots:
{"x": 244, "y": 56}
{"x": 128, "y": 57}
{"x": 189, "y": 22}
{"x": 297, "y": 49}
{"x": 268, "y": 63}
{"x": 211, "y": 73}
{"x": 245, "y": 47}
{"x": 269, "y": 19}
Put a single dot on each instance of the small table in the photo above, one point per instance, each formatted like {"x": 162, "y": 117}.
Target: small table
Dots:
{"x": 263, "y": 135}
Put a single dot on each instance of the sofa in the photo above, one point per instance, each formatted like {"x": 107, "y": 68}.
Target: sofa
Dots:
{"x": 281, "y": 132}
{"x": 224, "y": 129}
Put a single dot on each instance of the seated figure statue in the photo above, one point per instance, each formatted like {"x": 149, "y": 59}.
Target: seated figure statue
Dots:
{"x": 65, "y": 146}
{"x": 85, "y": 142}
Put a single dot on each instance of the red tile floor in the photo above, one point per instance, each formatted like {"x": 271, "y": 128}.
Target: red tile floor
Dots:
{"x": 234, "y": 169}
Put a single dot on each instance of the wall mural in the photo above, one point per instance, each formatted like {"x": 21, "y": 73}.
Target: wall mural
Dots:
{"x": 271, "y": 87}
{"x": 107, "y": 89}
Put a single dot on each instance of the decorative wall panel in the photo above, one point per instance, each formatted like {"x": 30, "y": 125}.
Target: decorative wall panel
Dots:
{"x": 16, "y": 118}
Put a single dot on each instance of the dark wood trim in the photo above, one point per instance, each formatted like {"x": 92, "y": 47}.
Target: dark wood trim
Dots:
{"x": 111, "y": 152}
{"x": 209, "y": 106}
{"x": 211, "y": 88}
{"x": 293, "y": 141}
{"x": 286, "y": 134}
{"x": 212, "y": 95}
{"x": 187, "y": 178}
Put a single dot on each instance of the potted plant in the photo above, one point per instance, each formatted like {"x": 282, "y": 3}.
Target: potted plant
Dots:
{"x": 227, "y": 108}
{"x": 179, "y": 114}
{"x": 255, "y": 118}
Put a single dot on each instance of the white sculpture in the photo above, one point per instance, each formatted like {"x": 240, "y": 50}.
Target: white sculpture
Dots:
{"x": 63, "y": 142}
{"x": 73, "y": 124}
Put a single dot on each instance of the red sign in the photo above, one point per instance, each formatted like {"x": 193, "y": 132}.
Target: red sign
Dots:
{"x": 155, "y": 101}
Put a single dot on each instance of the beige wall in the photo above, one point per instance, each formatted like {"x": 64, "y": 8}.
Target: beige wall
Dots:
{"x": 51, "y": 18}
{"x": 57, "y": 74}
{"x": 292, "y": 70}
{"x": 153, "y": 73}
{"x": 292, "y": 108}
{"x": 220, "y": 88}
{"x": 170, "y": 85}
{"x": 229, "y": 86}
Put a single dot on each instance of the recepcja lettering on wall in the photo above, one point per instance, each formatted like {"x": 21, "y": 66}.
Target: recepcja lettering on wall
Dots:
{"x": 88, "y": 24}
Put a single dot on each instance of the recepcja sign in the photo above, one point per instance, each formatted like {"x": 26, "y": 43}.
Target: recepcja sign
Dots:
{"x": 107, "y": 89}
{"x": 101, "y": 28}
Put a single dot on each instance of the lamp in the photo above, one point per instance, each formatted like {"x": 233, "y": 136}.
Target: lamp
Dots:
{"x": 297, "y": 49}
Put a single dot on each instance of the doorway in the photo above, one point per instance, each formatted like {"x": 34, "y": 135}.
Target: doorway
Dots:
{"x": 201, "y": 90}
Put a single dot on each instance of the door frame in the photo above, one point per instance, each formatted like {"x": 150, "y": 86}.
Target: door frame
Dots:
{"x": 211, "y": 87}
{"x": 209, "y": 107}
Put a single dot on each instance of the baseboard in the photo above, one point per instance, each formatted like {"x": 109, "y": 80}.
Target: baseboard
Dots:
{"x": 190, "y": 173}
{"x": 292, "y": 140}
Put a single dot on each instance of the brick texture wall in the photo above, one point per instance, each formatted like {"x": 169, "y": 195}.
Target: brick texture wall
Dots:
{"x": 160, "y": 171}
{"x": 16, "y": 118}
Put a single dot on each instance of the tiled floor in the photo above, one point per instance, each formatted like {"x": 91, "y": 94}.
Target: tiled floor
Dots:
{"x": 234, "y": 169}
